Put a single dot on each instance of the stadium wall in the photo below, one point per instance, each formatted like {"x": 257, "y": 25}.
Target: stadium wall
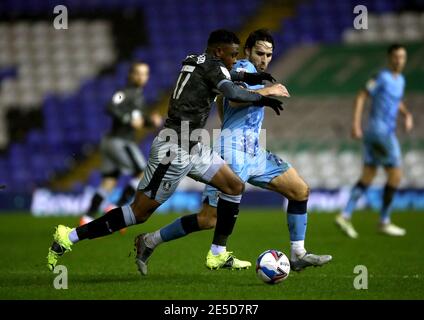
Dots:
{"x": 44, "y": 202}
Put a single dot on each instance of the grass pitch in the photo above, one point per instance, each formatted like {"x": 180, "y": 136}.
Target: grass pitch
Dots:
{"x": 105, "y": 269}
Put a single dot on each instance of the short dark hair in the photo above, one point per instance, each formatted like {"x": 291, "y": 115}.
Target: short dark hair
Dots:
{"x": 394, "y": 47}
{"x": 258, "y": 35}
{"x": 222, "y": 36}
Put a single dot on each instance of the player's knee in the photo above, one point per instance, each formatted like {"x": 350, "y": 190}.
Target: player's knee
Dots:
{"x": 300, "y": 193}
{"x": 396, "y": 181}
{"x": 368, "y": 175}
{"x": 235, "y": 188}
{"x": 142, "y": 210}
{"x": 395, "y": 178}
{"x": 140, "y": 216}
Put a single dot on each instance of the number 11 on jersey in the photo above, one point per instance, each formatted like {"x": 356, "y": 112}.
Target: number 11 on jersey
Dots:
{"x": 179, "y": 87}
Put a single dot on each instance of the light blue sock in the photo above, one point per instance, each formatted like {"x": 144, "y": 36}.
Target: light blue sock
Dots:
{"x": 355, "y": 194}
{"x": 172, "y": 231}
{"x": 297, "y": 226}
{"x": 385, "y": 214}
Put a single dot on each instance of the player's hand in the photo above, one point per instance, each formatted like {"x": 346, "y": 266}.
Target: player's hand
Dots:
{"x": 277, "y": 90}
{"x": 357, "y": 132}
{"x": 137, "y": 123}
{"x": 137, "y": 120}
{"x": 273, "y": 103}
{"x": 409, "y": 122}
{"x": 257, "y": 78}
{"x": 156, "y": 120}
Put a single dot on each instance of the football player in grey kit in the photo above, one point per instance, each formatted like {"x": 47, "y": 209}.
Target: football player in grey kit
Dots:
{"x": 178, "y": 152}
{"x": 119, "y": 151}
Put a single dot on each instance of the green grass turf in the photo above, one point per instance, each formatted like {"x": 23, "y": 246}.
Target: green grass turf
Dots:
{"x": 103, "y": 269}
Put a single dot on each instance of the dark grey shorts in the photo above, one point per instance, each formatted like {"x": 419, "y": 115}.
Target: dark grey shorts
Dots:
{"x": 169, "y": 163}
{"x": 121, "y": 156}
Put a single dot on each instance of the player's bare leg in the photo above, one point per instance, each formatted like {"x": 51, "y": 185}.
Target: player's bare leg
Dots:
{"x": 343, "y": 220}
{"x": 293, "y": 187}
{"x": 232, "y": 187}
{"x": 206, "y": 218}
{"x": 394, "y": 176}
{"x": 117, "y": 219}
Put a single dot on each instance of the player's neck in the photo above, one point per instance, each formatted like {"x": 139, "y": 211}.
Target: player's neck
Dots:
{"x": 394, "y": 72}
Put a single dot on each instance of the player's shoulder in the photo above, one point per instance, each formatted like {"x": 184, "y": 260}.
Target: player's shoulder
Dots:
{"x": 244, "y": 65}
{"x": 212, "y": 63}
{"x": 127, "y": 89}
{"x": 126, "y": 92}
{"x": 203, "y": 60}
{"x": 384, "y": 72}
{"x": 379, "y": 74}
{"x": 377, "y": 78}
{"x": 120, "y": 95}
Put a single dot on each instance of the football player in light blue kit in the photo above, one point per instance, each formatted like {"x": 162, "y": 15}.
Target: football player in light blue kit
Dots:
{"x": 381, "y": 146}
{"x": 239, "y": 145}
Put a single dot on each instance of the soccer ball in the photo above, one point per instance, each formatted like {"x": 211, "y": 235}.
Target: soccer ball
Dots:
{"x": 272, "y": 266}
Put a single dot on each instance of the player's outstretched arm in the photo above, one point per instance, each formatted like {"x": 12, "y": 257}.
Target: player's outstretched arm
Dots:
{"x": 236, "y": 93}
{"x": 276, "y": 90}
{"x": 407, "y": 116}
{"x": 360, "y": 99}
{"x": 251, "y": 78}
{"x": 233, "y": 92}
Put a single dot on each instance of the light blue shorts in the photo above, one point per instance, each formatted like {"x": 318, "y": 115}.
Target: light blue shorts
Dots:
{"x": 257, "y": 170}
{"x": 382, "y": 150}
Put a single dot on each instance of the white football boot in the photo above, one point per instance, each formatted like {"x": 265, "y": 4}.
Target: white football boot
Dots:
{"x": 391, "y": 230}
{"x": 346, "y": 226}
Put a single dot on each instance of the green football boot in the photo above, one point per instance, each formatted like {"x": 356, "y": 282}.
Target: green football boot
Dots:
{"x": 61, "y": 245}
{"x": 225, "y": 260}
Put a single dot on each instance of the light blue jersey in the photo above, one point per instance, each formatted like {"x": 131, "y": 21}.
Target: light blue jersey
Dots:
{"x": 381, "y": 146}
{"x": 386, "y": 91}
{"x": 244, "y": 123}
{"x": 239, "y": 145}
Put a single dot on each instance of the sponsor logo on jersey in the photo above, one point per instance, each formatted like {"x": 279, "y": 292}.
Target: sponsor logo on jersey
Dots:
{"x": 118, "y": 97}
{"x": 201, "y": 59}
{"x": 167, "y": 186}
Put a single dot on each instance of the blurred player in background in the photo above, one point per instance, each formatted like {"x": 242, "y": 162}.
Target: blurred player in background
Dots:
{"x": 253, "y": 164}
{"x": 178, "y": 152}
{"x": 381, "y": 146}
{"x": 119, "y": 150}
